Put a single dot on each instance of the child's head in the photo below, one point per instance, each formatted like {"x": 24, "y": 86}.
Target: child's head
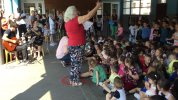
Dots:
{"x": 128, "y": 62}
{"x": 176, "y": 27}
{"x": 172, "y": 57}
{"x": 119, "y": 25}
{"x": 92, "y": 62}
{"x": 156, "y": 25}
{"x": 118, "y": 83}
{"x": 147, "y": 59}
{"x": 159, "y": 52}
{"x": 175, "y": 65}
{"x": 113, "y": 69}
{"x": 145, "y": 24}
{"x": 119, "y": 52}
{"x": 121, "y": 60}
{"x": 153, "y": 77}
{"x": 164, "y": 85}
{"x": 164, "y": 24}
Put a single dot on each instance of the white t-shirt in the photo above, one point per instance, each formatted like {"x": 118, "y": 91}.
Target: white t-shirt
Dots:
{"x": 119, "y": 94}
{"x": 132, "y": 30}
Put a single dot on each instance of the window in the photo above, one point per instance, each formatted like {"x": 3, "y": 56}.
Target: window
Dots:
{"x": 162, "y": 1}
{"x": 137, "y": 7}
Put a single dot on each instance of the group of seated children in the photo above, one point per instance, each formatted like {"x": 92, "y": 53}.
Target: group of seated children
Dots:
{"x": 146, "y": 69}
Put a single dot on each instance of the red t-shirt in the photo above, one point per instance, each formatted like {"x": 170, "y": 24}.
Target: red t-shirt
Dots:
{"x": 75, "y": 32}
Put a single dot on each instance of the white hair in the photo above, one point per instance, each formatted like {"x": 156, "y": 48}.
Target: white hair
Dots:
{"x": 69, "y": 13}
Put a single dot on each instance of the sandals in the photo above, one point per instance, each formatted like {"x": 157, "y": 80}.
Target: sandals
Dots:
{"x": 75, "y": 84}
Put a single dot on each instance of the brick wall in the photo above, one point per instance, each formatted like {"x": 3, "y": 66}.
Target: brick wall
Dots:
{"x": 61, "y": 5}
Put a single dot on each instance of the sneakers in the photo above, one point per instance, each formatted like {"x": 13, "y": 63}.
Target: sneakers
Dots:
{"x": 137, "y": 96}
{"x": 52, "y": 44}
{"x": 100, "y": 83}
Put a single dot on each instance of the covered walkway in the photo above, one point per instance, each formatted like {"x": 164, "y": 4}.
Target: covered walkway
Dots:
{"x": 45, "y": 81}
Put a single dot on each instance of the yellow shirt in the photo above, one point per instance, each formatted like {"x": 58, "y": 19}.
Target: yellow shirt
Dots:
{"x": 112, "y": 77}
{"x": 170, "y": 69}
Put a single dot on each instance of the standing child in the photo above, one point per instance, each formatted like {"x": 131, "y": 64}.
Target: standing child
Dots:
{"x": 46, "y": 36}
{"x": 145, "y": 32}
{"x": 120, "y": 32}
{"x": 175, "y": 36}
{"x": 119, "y": 93}
{"x": 52, "y": 29}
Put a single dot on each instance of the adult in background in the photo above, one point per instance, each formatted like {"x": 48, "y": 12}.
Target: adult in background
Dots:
{"x": 76, "y": 34}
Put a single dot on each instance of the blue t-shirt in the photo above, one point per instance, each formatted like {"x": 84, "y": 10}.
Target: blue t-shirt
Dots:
{"x": 146, "y": 32}
{"x": 164, "y": 35}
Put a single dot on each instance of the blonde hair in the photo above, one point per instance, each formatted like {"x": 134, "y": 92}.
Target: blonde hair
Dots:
{"x": 69, "y": 13}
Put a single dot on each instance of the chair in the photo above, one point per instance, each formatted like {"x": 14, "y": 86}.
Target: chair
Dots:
{"x": 9, "y": 55}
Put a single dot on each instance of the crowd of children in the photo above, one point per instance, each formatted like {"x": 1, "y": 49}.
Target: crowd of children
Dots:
{"x": 144, "y": 65}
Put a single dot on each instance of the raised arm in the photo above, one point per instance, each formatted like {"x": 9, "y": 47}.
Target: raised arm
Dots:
{"x": 84, "y": 18}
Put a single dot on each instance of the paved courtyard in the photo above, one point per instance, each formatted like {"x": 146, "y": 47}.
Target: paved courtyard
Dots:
{"x": 44, "y": 80}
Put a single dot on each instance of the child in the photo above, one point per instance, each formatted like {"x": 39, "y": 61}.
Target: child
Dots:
{"x": 130, "y": 77}
{"x": 145, "y": 65}
{"x": 119, "y": 93}
{"x": 175, "y": 36}
{"x": 174, "y": 75}
{"x": 46, "y": 36}
{"x": 121, "y": 66}
{"x": 164, "y": 89}
{"x": 155, "y": 33}
{"x": 145, "y": 32}
{"x": 120, "y": 32}
{"x": 108, "y": 85}
{"x": 52, "y": 29}
{"x": 172, "y": 60}
{"x": 132, "y": 38}
{"x": 96, "y": 71}
{"x": 150, "y": 87}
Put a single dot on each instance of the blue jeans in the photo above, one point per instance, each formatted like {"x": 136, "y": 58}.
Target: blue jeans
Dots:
{"x": 66, "y": 58}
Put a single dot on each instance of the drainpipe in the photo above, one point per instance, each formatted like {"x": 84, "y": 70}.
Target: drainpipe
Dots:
{"x": 1, "y": 49}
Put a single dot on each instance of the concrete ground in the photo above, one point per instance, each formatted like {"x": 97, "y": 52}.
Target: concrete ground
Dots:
{"x": 44, "y": 80}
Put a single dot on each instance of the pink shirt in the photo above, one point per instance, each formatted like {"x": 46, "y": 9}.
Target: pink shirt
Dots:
{"x": 121, "y": 70}
{"x": 63, "y": 45}
{"x": 120, "y": 31}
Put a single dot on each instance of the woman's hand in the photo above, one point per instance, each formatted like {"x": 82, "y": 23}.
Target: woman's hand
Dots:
{"x": 99, "y": 4}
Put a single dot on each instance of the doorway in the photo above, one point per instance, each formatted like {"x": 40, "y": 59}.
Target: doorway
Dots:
{"x": 29, "y": 5}
{"x": 161, "y": 10}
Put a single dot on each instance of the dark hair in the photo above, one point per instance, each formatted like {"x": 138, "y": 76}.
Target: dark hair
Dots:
{"x": 153, "y": 76}
{"x": 175, "y": 65}
{"x": 118, "y": 82}
{"x": 122, "y": 58}
{"x": 157, "y": 97}
{"x": 165, "y": 84}
{"x": 129, "y": 61}
{"x": 119, "y": 52}
{"x": 13, "y": 24}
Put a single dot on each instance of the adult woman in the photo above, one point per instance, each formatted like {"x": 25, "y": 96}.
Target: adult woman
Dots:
{"x": 75, "y": 32}
{"x": 37, "y": 31}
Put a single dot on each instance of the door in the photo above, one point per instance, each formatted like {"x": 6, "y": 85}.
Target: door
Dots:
{"x": 30, "y": 5}
{"x": 161, "y": 10}
{"x": 115, "y": 9}
{"x": 110, "y": 8}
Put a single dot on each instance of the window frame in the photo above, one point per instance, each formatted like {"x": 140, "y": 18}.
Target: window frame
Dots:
{"x": 135, "y": 7}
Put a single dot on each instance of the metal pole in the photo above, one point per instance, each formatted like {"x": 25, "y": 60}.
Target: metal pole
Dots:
{"x": 1, "y": 48}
